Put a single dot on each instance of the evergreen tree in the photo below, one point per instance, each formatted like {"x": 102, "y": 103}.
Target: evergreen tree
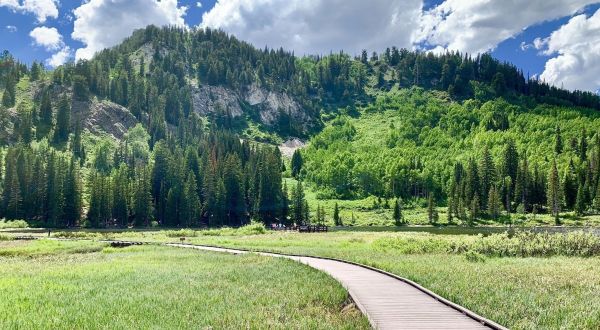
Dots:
{"x": 72, "y": 193}
{"x": 63, "y": 119}
{"x": 558, "y": 144}
{"x": 296, "y": 163}
{"x": 474, "y": 210}
{"x": 553, "y": 192}
{"x": 337, "y": 220}
{"x": 487, "y": 174}
{"x": 583, "y": 145}
{"x": 298, "y": 203}
{"x": 190, "y": 210}
{"x": 432, "y": 213}
{"x": 580, "y": 204}
{"x": 142, "y": 198}
{"x": 120, "y": 196}
{"x": 494, "y": 203}
{"x": 398, "y": 218}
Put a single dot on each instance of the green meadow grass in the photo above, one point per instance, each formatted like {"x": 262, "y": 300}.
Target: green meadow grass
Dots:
{"x": 85, "y": 285}
{"x": 518, "y": 292}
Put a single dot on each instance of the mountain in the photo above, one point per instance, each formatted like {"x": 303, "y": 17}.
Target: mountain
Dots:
{"x": 169, "y": 105}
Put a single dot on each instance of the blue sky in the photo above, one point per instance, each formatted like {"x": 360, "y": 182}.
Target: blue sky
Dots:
{"x": 565, "y": 52}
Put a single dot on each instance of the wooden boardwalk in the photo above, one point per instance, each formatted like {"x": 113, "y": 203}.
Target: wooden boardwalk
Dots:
{"x": 389, "y": 302}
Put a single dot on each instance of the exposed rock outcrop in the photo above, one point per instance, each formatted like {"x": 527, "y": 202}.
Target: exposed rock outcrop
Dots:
{"x": 103, "y": 117}
{"x": 266, "y": 105}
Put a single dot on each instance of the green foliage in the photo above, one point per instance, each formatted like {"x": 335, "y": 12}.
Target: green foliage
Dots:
{"x": 7, "y": 224}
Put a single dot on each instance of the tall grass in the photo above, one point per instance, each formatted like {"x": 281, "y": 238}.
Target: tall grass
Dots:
{"x": 153, "y": 287}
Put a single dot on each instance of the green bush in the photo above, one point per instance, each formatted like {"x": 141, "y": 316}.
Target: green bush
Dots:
{"x": 13, "y": 224}
{"x": 473, "y": 256}
{"x": 5, "y": 238}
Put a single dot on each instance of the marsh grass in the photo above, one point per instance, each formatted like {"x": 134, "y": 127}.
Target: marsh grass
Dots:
{"x": 495, "y": 276}
{"x": 158, "y": 287}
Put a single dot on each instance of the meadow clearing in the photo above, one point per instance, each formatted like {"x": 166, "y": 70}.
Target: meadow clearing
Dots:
{"x": 529, "y": 281}
{"x": 47, "y": 284}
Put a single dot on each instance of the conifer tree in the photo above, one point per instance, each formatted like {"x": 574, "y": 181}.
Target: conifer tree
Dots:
{"x": 580, "y": 204}
{"x": 72, "y": 193}
{"x": 558, "y": 144}
{"x": 63, "y": 119}
{"x": 494, "y": 203}
{"x": 553, "y": 192}
{"x": 337, "y": 221}
{"x": 296, "y": 163}
{"x": 298, "y": 203}
{"x": 398, "y": 218}
{"x": 474, "y": 210}
{"x": 142, "y": 199}
{"x": 432, "y": 213}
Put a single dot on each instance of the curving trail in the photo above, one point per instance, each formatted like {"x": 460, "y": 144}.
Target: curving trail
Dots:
{"x": 389, "y": 302}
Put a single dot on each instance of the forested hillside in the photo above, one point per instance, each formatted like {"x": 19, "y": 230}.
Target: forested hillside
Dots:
{"x": 161, "y": 129}
{"x": 478, "y": 157}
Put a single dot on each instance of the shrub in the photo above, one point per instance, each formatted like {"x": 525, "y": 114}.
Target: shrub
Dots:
{"x": 473, "y": 256}
{"x": 13, "y": 224}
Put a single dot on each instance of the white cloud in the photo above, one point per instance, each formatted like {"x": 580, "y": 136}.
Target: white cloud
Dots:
{"x": 48, "y": 38}
{"x": 476, "y": 26}
{"x": 42, "y": 9}
{"x": 104, "y": 23}
{"x": 318, "y": 26}
{"x": 11, "y": 28}
{"x": 60, "y": 57}
{"x": 199, "y": 4}
{"x": 576, "y": 47}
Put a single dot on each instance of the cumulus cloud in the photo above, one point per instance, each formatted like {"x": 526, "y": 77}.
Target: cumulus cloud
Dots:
{"x": 48, "y": 38}
{"x": 476, "y": 26}
{"x": 61, "y": 57}
{"x": 318, "y": 26}
{"x": 42, "y": 9}
{"x": 104, "y": 23}
{"x": 576, "y": 50}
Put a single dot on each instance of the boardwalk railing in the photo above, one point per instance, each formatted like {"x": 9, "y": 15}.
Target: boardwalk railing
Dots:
{"x": 302, "y": 228}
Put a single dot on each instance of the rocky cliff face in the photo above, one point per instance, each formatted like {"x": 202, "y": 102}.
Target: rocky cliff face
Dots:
{"x": 103, "y": 117}
{"x": 267, "y": 105}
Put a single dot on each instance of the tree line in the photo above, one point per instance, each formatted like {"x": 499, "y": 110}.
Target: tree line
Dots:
{"x": 217, "y": 181}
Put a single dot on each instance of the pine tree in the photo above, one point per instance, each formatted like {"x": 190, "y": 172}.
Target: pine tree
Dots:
{"x": 296, "y": 163}
{"x": 12, "y": 190}
{"x": 432, "y": 213}
{"x": 63, "y": 119}
{"x": 120, "y": 195}
{"x": 487, "y": 174}
{"x": 142, "y": 200}
{"x": 398, "y": 218}
{"x": 553, "y": 192}
{"x": 285, "y": 210}
{"x": 558, "y": 144}
{"x": 190, "y": 210}
{"x": 72, "y": 193}
{"x": 25, "y": 124}
{"x": 337, "y": 221}
{"x": 298, "y": 202}
{"x": 474, "y": 210}
{"x": 580, "y": 204}
{"x": 583, "y": 145}
{"x": 494, "y": 203}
